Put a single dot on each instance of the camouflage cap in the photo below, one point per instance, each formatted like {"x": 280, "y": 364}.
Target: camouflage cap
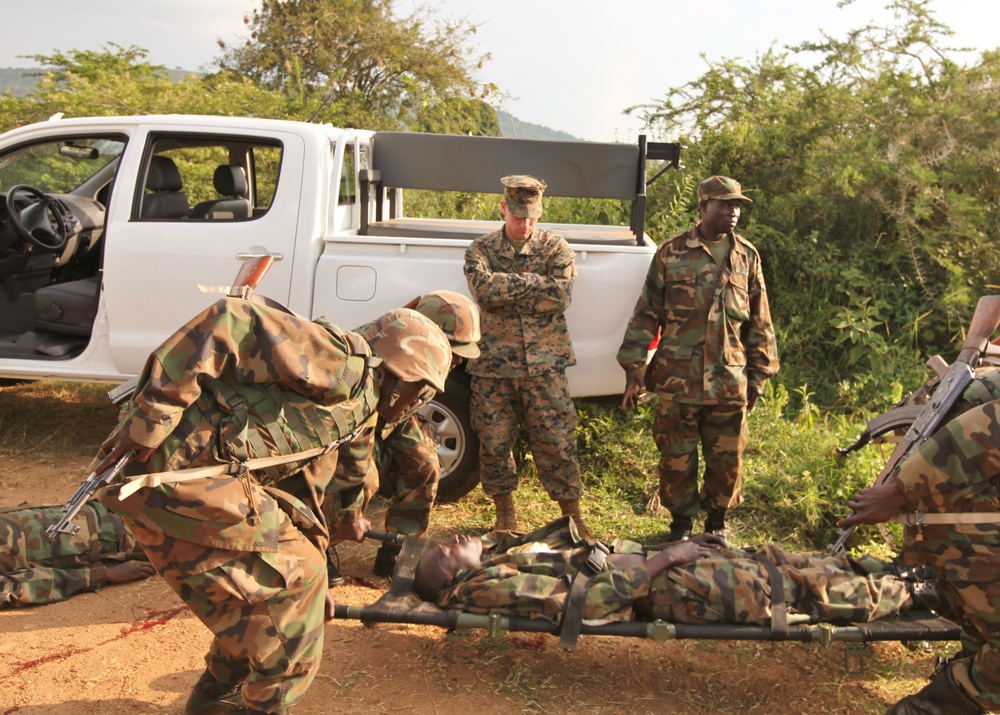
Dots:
{"x": 722, "y": 188}
{"x": 523, "y": 195}
{"x": 456, "y": 315}
{"x": 411, "y": 346}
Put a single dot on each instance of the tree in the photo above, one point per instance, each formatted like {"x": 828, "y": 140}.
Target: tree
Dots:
{"x": 119, "y": 81}
{"x": 354, "y": 62}
{"x": 875, "y": 189}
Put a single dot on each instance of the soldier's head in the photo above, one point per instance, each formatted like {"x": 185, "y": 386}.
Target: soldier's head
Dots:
{"x": 521, "y": 205}
{"x": 721, "y": 202}
{"x": 416, "y": 357}
{"x": 442, "y": 561}
{"x": 457, "y": 316}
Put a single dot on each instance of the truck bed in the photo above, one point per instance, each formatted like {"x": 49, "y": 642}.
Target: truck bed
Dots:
{"x": 470, "y": 229}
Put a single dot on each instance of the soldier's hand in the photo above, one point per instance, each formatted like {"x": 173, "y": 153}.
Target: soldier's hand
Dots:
{"x": 328, "y": 607}
{"x": 753, "y": 395}
{"x": 117, "y": 444}
{"x": 711, "y": 540}
{"x": 350, "y": 530}
{"x": 874, "y": 505}
{"x": 635, "y": 385}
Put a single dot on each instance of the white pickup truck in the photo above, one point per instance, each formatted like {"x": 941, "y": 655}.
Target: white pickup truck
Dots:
{"x": 111, "y": 227}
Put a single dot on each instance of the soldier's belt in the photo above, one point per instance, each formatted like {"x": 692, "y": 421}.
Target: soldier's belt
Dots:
{"x": 919, "y": 518}
{"x": 232, "y": 468}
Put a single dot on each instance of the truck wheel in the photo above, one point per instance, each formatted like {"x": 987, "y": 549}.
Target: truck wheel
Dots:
{"x": 449, "y": 416}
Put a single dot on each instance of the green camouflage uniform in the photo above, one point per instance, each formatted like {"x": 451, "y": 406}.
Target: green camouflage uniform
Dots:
{"x": 246, "y": 553}
{"x": 523, "y": 294}
{"x": 407, "y": 455}
{"x": 956, "y": 471}
{"x": 404, "y": 453}
{"x": 530, "y": 575}
{"x": 715, "y": 340}
{"x": 34, "y": 570}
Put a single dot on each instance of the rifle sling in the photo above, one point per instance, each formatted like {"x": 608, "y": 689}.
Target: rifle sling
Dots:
{"x": 919, "y": 518}
{"x": 232, "y": 468}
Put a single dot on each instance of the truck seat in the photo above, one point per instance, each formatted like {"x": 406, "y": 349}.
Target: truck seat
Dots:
{"x": 230, "y": 182}
{"x": 166, "y": 199}
{"x": 68, "y": 307}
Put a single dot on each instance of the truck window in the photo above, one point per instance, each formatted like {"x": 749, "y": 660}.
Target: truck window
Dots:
{"x": 199, "y": 178}
{"x": 347, "y": 177}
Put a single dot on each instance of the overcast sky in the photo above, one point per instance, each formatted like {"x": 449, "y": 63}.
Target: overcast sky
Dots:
{"x": 572, "y": 65}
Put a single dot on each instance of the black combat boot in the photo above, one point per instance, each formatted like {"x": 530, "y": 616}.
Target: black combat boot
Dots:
{"x": 942, "y": 696}
{"x": 680, "y": 527}
{"x": 385, "y": 559}
{"x": 926, "y": 595}
{"x": 715, "y": 522}
{"x": 333, "y": 575}
{"x": 210, "y": 697}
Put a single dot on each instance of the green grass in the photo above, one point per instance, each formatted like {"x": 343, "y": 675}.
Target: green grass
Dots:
{"x": 794, "y": 486}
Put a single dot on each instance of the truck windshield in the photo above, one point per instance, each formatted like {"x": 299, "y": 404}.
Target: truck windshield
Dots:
{"x": 60, "y": 166}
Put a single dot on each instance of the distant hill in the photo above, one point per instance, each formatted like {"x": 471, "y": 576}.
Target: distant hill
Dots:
{"x": 19, "y": 80}
{"x": 14, "y": 79}
{"x": 511, "y": 126}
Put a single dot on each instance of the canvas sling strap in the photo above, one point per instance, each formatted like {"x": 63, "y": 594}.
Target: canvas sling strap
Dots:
{"x": 779, "y": 609}
{"x": 572, "y": 615}
{"x": 249, "y": 440}
{"x": 919, "y": 518}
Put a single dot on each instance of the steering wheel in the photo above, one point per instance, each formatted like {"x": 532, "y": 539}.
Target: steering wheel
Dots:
{"x": 40, "y": 223}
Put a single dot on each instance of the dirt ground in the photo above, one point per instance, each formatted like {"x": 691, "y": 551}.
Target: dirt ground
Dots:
{"x": 135, "y": 649}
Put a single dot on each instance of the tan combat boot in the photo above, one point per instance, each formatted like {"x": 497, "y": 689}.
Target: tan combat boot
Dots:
{"x": 506, "y": 515}
{"x": 572, "y": 508}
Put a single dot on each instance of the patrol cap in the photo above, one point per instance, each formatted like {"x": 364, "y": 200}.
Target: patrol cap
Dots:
{"x": 523, "y": 195}
{"x": 411, "y": 346}
{"x": 722, "y": 188}
{"x": 457, "y": 316}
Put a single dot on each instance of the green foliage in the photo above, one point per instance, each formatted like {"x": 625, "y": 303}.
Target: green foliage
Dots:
{"x": 361, "y": 65}
{"x": 875, "y": 187}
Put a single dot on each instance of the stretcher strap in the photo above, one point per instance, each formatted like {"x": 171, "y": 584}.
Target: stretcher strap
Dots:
{"x": 779, "y": 611}
{"x": 572, "y": 616}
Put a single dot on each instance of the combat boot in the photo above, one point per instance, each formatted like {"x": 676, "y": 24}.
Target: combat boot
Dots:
{"x": 942, "y": 696}
{"x": 333, "y": 576}
{"x": 571, "y": 507}
{"x": 210, "y": 697}
{"x": 506, "y": 515}
{"x": 925, "y": 595}
{"x": 385, "y": 559}
{"x": 680, "y": 527}
{"x": 715, "y": 522}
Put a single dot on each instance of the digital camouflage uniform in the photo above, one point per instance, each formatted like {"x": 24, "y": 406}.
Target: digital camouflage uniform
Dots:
{"x": 246, "y": 552}
{"x": 956, "y": 471}
{"x": 35, "y": 570}
{"x": 530, "y": 575}
{"x": 523, "y": 294}
{"x": 715, "y": 339}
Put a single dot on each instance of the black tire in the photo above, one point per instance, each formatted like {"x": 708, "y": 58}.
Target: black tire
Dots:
{"x": 450, "y": 419}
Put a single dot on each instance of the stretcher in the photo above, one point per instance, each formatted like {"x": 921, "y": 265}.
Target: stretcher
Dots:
{"x": 400, "y": 604}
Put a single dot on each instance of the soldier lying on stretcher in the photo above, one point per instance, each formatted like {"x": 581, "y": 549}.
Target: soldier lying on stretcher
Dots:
{"x": 700, "y": 580}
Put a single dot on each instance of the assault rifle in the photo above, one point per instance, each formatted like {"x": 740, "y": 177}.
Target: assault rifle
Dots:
{"x": 932, "y": 414}
{"x": 251, "y": 273}
{"x": 84, "y": 492}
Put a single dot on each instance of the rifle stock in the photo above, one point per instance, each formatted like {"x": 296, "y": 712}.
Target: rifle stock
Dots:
{"x": 255, "y": 267}
{"x": 984, "y": 323}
